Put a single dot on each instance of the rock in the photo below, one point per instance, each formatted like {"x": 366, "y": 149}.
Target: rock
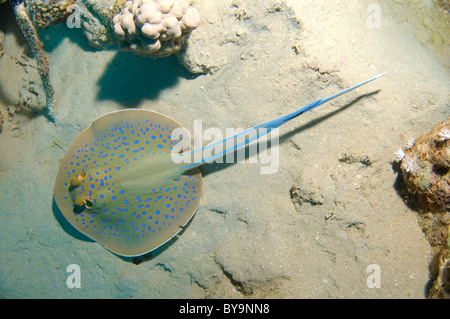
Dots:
{"x": 425, "y": 168}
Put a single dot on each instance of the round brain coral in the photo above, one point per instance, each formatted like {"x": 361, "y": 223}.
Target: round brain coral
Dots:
{"x": 154, "y": 27}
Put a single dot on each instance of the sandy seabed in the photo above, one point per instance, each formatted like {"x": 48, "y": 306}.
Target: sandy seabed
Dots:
{"x": 309, "y": 231}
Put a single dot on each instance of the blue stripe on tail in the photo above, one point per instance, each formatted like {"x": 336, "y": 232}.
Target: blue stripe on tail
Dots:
{"x": 269, "y": 126}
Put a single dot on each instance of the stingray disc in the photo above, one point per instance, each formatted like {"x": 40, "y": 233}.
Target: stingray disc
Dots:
{"x": 117, "y": 185}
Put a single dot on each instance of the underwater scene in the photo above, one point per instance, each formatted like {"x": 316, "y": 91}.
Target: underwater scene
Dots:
{"x": 233, "y": 149}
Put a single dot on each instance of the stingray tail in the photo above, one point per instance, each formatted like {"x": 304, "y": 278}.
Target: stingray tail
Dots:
{"x": 258, "y": 131}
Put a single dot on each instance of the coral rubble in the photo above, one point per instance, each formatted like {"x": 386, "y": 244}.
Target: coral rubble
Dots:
{"x": 154, "y": 27}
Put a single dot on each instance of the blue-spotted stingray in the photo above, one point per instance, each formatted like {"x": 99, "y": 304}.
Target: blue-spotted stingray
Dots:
{"x": 119, "y": 185}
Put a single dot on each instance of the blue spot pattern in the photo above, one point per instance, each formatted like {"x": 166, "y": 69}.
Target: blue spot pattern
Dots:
{"x": 119, "y": 215}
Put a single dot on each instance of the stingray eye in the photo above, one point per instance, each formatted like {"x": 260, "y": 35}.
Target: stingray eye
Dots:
{"x": 83, "y": 202}
{"x": 88, "y": 204}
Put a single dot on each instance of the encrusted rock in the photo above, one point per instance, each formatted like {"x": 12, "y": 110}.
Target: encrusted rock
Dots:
{"x": 440, "y": 271}
{"x": 443, "y": 4}
{"x": 425, "y": 167}
{"x": 2, "y": 40}
{"x": 48, "y": 12}
{"x": 1, "y": 122}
